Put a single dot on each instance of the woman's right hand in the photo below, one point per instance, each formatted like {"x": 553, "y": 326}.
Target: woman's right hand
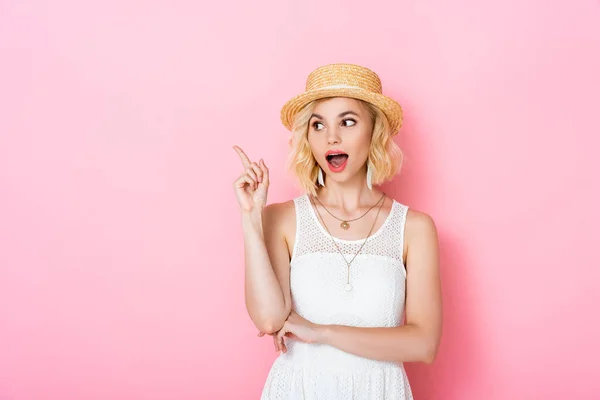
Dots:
{"x": 253, "y": 184}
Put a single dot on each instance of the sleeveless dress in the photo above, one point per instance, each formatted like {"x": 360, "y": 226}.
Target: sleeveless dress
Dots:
{"x": 318, "y": 278}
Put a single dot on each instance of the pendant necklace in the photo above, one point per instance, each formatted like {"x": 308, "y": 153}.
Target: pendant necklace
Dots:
{"x": 348, "y": 287}
{"x": 345, "y": 225}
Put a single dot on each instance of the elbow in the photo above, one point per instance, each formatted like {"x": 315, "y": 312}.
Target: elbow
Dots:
{"x": 429, "y": 358}
{"x": 429, "y": 352}
{"x": 270, "y": 324}
{"x": 268, "y": 321}
{"x": 269, "y": 327}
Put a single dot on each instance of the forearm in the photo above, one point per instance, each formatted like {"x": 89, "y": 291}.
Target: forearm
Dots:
{"x": 407, "y": 343}
{"x": 264, "y": 298}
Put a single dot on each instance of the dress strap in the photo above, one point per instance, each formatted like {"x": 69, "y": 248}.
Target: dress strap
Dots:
{"x": 303, "y": 224}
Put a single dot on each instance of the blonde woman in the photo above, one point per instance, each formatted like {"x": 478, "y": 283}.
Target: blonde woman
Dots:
{"x": 345, "y": 278}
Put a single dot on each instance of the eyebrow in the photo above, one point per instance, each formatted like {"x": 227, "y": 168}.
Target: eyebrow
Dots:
{"x": 339, "y": 116}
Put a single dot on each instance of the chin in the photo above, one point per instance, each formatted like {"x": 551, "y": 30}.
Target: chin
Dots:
{"x": 340, "y": 177}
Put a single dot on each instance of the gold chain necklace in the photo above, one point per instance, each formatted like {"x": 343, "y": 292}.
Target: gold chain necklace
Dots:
{"x": 348, "y": 286}
{"x": 346, "y": 222}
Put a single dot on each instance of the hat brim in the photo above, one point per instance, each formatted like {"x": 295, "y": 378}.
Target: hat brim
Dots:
{"x": 391, "y": 109}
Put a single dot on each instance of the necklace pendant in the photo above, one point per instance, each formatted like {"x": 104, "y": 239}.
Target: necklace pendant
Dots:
{"x": 345, "y": 225}
{"x": 348, "y": 287}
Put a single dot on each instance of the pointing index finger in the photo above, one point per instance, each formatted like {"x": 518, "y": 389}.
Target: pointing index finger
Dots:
{"x": 243, "y": 156}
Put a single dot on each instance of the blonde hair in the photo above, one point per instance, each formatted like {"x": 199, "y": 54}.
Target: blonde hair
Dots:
{"x": 385, "y": 157}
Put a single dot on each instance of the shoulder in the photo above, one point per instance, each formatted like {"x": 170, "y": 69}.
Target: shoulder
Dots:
{"x": 279, "y": 211}
{"x": 420, "y": 226}
{"x": 416, "y": 220}
{"x": 280, "y": 216}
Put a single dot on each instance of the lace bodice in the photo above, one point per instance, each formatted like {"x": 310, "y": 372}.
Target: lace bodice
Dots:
{"x": 318, "y": 278}
{"x": 311, "y": 236}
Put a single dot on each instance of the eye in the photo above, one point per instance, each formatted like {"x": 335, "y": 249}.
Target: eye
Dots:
{"x": 316, "y": 125}
{"x": 349, "y": 122}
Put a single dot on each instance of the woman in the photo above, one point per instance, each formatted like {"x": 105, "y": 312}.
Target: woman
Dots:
{"x": 325, "y": 271}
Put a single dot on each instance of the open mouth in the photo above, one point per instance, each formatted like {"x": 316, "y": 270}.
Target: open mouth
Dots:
{"x": 336, "y": 160}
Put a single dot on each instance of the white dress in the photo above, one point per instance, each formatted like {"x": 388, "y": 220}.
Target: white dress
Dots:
{"x": 318, "y": 278}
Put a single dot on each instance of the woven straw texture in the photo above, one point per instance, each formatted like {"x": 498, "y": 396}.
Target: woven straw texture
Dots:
{"x": 344, "y": 80}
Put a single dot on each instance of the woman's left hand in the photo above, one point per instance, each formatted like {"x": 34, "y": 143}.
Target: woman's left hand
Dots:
{"x": 298, "y": 328}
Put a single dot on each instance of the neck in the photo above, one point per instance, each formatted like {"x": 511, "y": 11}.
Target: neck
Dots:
{"x": 350, "y": 195}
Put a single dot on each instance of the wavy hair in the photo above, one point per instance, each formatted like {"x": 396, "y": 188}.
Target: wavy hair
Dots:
{"x": 385, "y": 157}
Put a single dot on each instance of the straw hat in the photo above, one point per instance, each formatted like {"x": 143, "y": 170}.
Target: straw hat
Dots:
{"x": 344, "y": 80}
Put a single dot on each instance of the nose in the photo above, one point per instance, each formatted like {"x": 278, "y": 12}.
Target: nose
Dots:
{"x": 333, "y": 136}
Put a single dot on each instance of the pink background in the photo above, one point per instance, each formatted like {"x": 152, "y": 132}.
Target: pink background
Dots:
{"x": 120, "y": 241}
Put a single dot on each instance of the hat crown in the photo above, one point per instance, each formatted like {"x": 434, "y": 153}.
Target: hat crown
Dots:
{"x": 343, "y": 75}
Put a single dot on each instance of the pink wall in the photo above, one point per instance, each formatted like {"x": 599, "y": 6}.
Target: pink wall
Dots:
{"x": 120, "y": 243}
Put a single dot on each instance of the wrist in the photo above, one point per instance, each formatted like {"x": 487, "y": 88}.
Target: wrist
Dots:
{"x": 323, "y": 334}
{"x": 253, "y": 217}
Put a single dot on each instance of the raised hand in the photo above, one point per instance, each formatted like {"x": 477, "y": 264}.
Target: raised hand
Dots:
{"x": 253, "y": 184}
